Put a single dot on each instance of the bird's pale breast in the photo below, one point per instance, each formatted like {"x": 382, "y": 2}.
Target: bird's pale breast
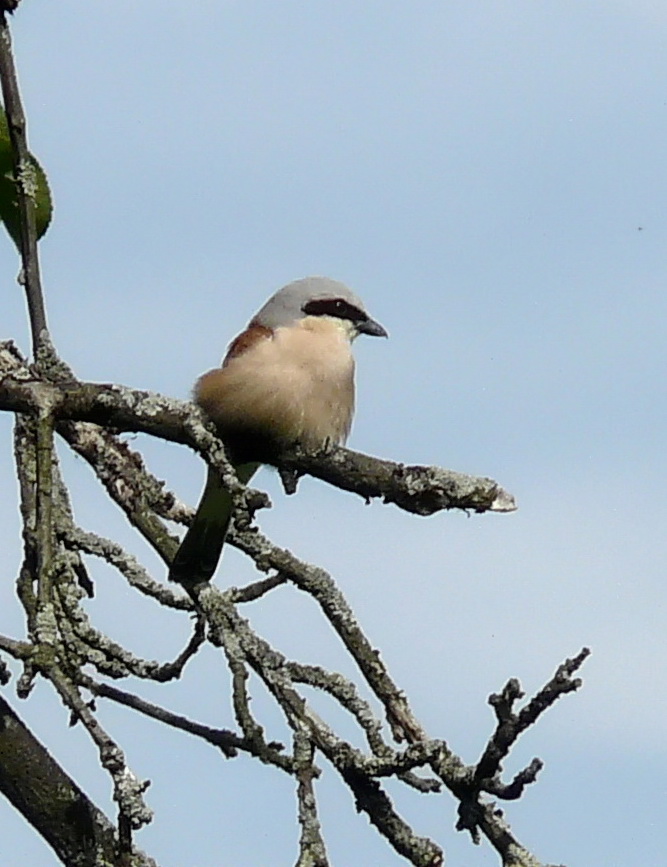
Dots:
{"x": 296, "y": 385}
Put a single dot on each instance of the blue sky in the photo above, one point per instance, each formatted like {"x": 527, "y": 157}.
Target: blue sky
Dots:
{"x": 490, "y": 178}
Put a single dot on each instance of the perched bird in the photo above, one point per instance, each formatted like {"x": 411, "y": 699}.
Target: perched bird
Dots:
{"x": 287, "y": 379}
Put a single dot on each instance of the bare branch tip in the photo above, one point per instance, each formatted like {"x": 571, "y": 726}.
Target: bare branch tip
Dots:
{"x": 504, "y": 502}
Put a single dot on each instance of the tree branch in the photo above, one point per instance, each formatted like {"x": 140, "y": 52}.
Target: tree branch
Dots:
{"x": 24, "y": 174}
{"x": 418, "y": 489}
{"x": 312, "y": 850}
{"x": 79, "y": 833}
{"x": 78, "y": 410}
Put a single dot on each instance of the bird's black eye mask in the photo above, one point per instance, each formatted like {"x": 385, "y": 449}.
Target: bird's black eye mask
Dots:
{"x": 337, "y": 307}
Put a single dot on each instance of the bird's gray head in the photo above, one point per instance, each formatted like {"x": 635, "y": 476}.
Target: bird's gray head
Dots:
{"x": 317, "y": 296}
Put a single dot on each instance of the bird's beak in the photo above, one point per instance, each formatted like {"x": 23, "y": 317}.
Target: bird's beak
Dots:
{"x": 372, "y": 328}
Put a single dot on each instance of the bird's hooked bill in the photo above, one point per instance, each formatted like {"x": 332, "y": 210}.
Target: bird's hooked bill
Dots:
{"x": 372, "y": 328}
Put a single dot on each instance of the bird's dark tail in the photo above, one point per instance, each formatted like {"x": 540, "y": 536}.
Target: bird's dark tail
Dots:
{"x": 197, "y": 558}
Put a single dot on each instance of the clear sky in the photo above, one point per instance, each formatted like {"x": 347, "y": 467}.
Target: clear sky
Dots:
{"x": 491, "y": 178}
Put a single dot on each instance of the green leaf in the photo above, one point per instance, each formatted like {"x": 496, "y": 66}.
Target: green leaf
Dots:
{"x": 35, "y": 180}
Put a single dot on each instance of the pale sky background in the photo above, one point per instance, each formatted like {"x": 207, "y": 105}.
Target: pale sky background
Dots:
{"x": 491, "y": 178}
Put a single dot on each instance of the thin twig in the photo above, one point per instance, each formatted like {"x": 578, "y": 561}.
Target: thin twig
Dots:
{"x": 128, "y": 789}
{"x": 511, "y": 725}
{"x": 335, "y": 607}
{"x": 23, "y": 169}
{"x": 229, "y": 630}
{"x": 223, "y": 739}
{"x": 312, "y": 850}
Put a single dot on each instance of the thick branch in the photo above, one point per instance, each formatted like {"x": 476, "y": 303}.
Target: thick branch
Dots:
{"x": 79, "y": 833}
{"x": 418, "y": 489}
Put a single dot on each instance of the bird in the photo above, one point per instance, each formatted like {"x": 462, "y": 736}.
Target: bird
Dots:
{"x": 287, "y": 379}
